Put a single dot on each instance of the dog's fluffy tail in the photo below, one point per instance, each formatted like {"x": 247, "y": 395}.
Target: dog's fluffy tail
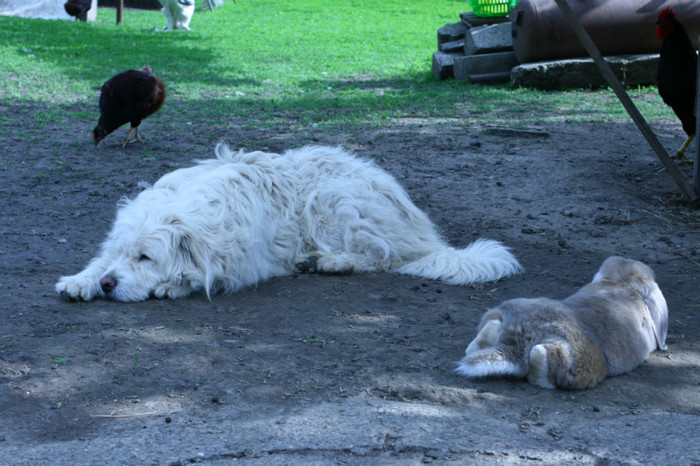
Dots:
{"x": 482, "y": 261}
{"x": 491, "y": 362}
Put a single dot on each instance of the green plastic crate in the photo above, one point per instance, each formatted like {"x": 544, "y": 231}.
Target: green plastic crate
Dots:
{"x": 491, "y": 8}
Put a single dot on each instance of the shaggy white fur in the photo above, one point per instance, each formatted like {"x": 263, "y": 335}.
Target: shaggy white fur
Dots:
{"x": 233, "y": 221}
{"x": 178, "y": 13}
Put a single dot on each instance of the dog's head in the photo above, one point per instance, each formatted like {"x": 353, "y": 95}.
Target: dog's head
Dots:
{"x": 634, "y": 275}
{"x": 152, "y": 253}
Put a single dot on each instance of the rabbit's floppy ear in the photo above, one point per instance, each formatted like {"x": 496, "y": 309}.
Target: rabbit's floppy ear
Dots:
{"x": 656, "y": 304}
{"x": 654, "y": 300}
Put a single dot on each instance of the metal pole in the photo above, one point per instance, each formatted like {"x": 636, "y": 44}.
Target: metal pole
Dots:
{"x": 120, "y": 11}
{"x": 696, "y": 167}
{"x": 624, "y": 98}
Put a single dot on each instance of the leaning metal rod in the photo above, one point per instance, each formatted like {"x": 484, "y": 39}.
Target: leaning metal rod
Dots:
{"x": 625, "y": 99}
{"x": 696, "y": 167}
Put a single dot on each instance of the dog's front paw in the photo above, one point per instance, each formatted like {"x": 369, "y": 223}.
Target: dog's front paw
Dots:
{"x": 308, "y": 264}
{"x": 78, "y": 287}
{"x": 162, "y": 291}
{"x": 170, "y": 291}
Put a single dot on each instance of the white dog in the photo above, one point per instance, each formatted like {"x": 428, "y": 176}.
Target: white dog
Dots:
{"x": 232, "y": 221}
{"x": 607, "y": 328}
{"x": 178, "y": 13}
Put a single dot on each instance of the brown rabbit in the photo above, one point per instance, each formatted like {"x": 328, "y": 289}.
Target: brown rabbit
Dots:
{"x": 607, "y": 328}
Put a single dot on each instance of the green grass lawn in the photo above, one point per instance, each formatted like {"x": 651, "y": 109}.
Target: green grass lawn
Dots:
{"x": 330, "y": 63}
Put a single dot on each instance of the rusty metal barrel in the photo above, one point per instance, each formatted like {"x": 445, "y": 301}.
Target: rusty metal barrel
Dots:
{"x": 618, "y": 27}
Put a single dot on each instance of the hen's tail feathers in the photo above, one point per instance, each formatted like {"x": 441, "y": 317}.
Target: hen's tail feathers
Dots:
{"x": 491, "y": 362}
{"x": 482, "y": 261}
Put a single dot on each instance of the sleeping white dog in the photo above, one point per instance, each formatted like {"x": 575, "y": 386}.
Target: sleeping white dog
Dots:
{"x": 240, "y": 218}
{"x": 178, "y": 13}
{"x": 607, "y": 328}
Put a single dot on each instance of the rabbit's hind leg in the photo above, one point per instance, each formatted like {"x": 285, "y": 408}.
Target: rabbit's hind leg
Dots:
{"x": 487, "y": 337}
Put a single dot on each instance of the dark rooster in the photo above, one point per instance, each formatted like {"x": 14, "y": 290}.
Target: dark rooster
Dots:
{"x": 128, "y": 97}
{"x": 677, "y": 73}
{"x": 78, "y": 8}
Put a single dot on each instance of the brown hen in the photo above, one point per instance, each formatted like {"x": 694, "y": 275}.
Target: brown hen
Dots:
{"x": 677, "y": 73}
{"x": 78, "y": 8}
{"x": 128, "y": 97}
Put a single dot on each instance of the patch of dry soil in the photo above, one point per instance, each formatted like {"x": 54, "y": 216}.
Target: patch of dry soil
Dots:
{"x": 327, "y": 369}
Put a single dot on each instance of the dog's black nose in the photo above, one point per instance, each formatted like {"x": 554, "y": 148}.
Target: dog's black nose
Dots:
{"x": 108, "y": 283}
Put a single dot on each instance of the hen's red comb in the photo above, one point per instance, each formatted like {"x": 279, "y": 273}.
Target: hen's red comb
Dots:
{"x": 667, "y": 11}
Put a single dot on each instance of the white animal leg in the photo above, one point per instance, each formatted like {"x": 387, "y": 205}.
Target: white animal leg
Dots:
{"x": 84, "y": 286}
{"x": 485, "y": 357}
{"x": 335, "y": 263}
{"x": 488, "y": 336}
{"x": 539, "y": 367}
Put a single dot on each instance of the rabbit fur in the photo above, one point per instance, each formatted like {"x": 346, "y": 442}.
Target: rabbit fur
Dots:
{"x": 607, "y": 328}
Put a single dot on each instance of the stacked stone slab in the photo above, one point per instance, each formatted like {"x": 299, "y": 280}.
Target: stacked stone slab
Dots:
{"x": 631, "y": 70}
{"x": 481, "y": 50}
{"x": 477, "y": 49}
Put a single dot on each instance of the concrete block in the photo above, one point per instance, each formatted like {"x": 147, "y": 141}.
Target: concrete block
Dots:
{"x": 483, "y": 64}
{"x": 451, "y": 32}
{"x": 490, "y": 78}
{"x": 640, "y": 70}
{"x": 470, "y": 19}
{"x": 488, "y": 39}
{"x": 455, "y": 46}
{"x": 633, "y": 70}
{"x": 443, "y": 65}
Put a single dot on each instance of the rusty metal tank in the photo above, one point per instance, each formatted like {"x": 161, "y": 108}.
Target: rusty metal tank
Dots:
{"x": 618, "y": 27}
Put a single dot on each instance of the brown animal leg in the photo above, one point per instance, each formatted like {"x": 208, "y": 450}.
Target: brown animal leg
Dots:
{"x": 126, "y": 140}
{"x": 137, "y": 138}
{"x": 680, "y": 155}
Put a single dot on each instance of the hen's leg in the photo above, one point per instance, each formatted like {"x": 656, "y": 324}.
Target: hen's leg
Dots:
{"x": 137, "y": 138}
{"x": 680, "y": 155}
{"x": 126, "y": 140}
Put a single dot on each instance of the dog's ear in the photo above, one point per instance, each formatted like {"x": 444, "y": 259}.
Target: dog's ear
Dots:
{"x": 183, "y": 241}
{"x": 186, "y": 249}
{"x": 192, "y": 255}
{"x": 196, "y": 258}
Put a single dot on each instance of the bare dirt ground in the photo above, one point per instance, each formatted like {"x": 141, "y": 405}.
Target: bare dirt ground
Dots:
{"x": 340, "y": 369}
